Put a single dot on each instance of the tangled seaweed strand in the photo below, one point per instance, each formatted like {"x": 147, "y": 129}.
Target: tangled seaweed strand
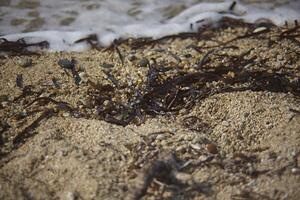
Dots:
{"x": 184, "y": 90}
{"x": 20, "y": 47}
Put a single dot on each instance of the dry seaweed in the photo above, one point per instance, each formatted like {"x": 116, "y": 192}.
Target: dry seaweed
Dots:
{"x": 232, "y": 6}
{"x": 92, "y": 40}
{"x": 111, "y": 78}
{"x": 4, "y": 126}
{"x": 45, "y": 100}
{"x": 27, "y": 91}
{"x": 46, "y": 114}
{"x": 164, "y": 170}
{"x": 185, "y": 89}
{"x": 27, "y": 132}
{"x": 20, "y": 47}
{"x": 295, "y": 111}
{"x": 120, "y": 55}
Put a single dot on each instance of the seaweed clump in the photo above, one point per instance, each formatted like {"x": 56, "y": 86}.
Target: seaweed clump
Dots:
{"x": 168, "y": 88}
{"x": 163, "y": 93}
{"x": 20, "y": 47}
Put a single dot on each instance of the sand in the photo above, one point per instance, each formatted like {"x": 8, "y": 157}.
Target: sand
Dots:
{"x": 241, "y": 144}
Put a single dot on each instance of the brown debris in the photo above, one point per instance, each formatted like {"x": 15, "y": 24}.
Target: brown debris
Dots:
{"x": 166, "y": 171}
{"x": 19, "y": 47}
{"x": 212, "y": 148}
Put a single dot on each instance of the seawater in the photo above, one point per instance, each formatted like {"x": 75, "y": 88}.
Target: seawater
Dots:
{"x": 62, "y": 22}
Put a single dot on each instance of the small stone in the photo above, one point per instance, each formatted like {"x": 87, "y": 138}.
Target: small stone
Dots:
{"x": 22, "y": 114}
{"x": 248, "y": 66}
{"x": 67, "y": 64}
{"x": 24, "y": 62}
{"x": 107, "y": 66}
{"x": 260, "y": 29}
{"x": 268, "y": 125}
{"x": 295, "y": 170}
{"x": 230, "y": 74}
{"x": 161, "y": 137}
{"x": 131, "y": 57}
{"x": 250, "y": 168}
{"x": 66, "y": 114}
{"x": 70, "y": 196}
{"x": 212, "y": 148}
{"x": 144, "y": 62}
{"x": 4, "y": 104}
{"x": 238, "y": 157}
{"x": 83, "y": 76}
{"x": 203, "y": 158}
{"x": 152, "y": 62}
{"x": 196, "y": 146}
{"x": 246, "y": 114}
{"x": 225, "y": 123}
{"x": 19, "y": 80}
{"x": 184, "y": 178}
{"x": 77, "y": 79}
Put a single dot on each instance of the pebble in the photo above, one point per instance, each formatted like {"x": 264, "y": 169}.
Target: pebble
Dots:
{"x": 70, "y": 196}
{"x": 246, "y": 114}
{"x": 24, "y": 62}
{"x": 260, "y": 29}
{"x": 19, "y": 80}
{"x": 65, "y": 63}
{"x": 161, "y": 137}
{"x": 212, "y": 148}
{"x": 66, "y": 114}
{"x": 295, "y": 170}
{"x": 77, "y": 79}
{"x": 61, "y": 153}
{"x": 4, "y": 104}
{"x": 183, "y": 177}
{"x": 83, "y": 76}
{"x": 107, "y": 66}
{"x": 196, "y": 146}
{"x": 144, "y": 62}
{"x": 248, "y": 66}
{"x": 203, "y": 158}
{"x": 131, "y": 57}
{"x": 187, "y": 138}
{"x": 225, "y": 123}
{"x": 23, "y": 114}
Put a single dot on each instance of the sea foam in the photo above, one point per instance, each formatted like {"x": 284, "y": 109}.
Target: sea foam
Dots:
{"x": 117, "y": 19}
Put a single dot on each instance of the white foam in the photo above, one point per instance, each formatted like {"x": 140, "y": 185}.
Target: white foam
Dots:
{"x": 112, "y": 20}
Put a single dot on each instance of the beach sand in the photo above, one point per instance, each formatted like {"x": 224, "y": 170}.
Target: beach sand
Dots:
{"x": 237, "y": 139}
